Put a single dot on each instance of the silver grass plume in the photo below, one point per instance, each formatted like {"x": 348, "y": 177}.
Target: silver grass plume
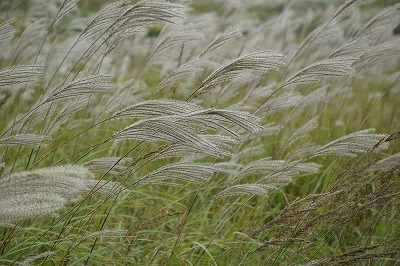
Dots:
{"x": 210, "y": 117}
{"x": 33, "y": 32}
{"x": 66, "y": 7}
{"x": 177, "y": 74}
{"x": 30, "y": 140}
{"x": 320, "y": 35}
{"x": 263, "y": 62}
{"x": 156, "y": 108}
{"x": 329, "y": 67}
{"x": 380, "y": 53}
{"x": 20, "y": 74}
{"x": 183, "y": 171}
{"x": 37, "y": 116}
{"x": 153, "y": 11}
{"x": 180, "y": 149}
{"x": 44, "y": 191}
{"x": 248, "y": 152}
{"x": 327, "y": 30}
{"x": 369, "y": 35}
{"x": 106, "y": 232}
{"x": 384, "y": 22}
{"x": 280, "y": 102}
{"x": 283, "y": 174}
{"x": 118, "y": 98}
{"x": 351, "y": 144}
{"x": 179, "y": 35}
{"x": 302, "y": 131}
{"x": 146, "y": 12}
{"x": 228, "y": 167}
{"x": 230, "y": 34}
{"x": 29, "y": 260}
{"x": 104, "y": 19}
{"x": 183, "y": 128}
{"x": 354, "y": 48}
{"x": 232, "y": 90}
{"x": 386, "y": 163}
{"x": 313, "y": 98}
{"x": 80, "y": 87}
{"x": 347, "y": 8}
{"x": 255, "y": 95}
{"x": 113, "y": 165}
{"x": 6, "y": 30}
{"x": 261, "y": 166}
{"x": 304, "y": 151}
{"x": 2, "y": 167}
{"x": 169, "y": 128}
{"x": 271, "y": 168}
{"x": 244, "y": 189}
{"x": 67, "y": 111}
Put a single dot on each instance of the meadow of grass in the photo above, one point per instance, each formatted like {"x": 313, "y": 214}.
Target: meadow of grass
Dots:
{"x": 195, "y": 133}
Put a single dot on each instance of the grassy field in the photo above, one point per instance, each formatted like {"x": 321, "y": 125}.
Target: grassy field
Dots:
{"x": 199, "y": 133}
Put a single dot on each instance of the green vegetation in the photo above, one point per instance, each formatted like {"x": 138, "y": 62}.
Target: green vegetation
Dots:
{"x": 164, "y": 133}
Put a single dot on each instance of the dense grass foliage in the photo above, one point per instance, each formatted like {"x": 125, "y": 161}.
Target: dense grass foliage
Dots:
{"x": 176, "y": 133}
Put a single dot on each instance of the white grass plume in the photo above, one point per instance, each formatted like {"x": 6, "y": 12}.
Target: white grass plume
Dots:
{"x": 321, "y": 35}
{"x": 156, "y": 108}
{"x": 113, "y": 165}
{"x": 20, "y": 74}
{"x": 183, "y": 171}
{"x": 104, "y": 19}
{"x": 382, "y": 23}
{"x": 386, "y": 163}
{"x": 261, "y": 166}
{"x": 64, "y": 115}
{"x": 302, "y": 131}
{"x": 283, "y": 174}
{"x": 185, "y": 128}
{"x": 6, "y": 30}
{"x": 66, "y": 7}
{"x": 303, "y": 151}
{"x": 80, "y": 87}
{"x": 347, "y": 8}
{"x": 179, "y": 149}
{"x": 106, "y": 232}
{"x": 44, "y": 191}
{"x": 229, "y": 35}
{"x": 169, "y": 128}
{"x": 33, "y": 32}
{"x": 329, "y": 67}
{"x": 269, "y": 168}
{"x": 351, "y": 144}
{"x": 313, "y": 98}
{"x": 177, "y": 36}
{"x": 118, "y": 98}
{"x": 30, "y": 140}
{"x": 154, "y": 11}
{"x": 280, "y": 102}
{"x": 261, "y": 62}
{"x": 354, "y": 48}
{"x": 146, "y": 12}
{"x": 380, "y": 53}
{"x": 37, "y": 116}
{"x": 177, "y": 74}
{"x": 29, "y": 260}
{"x": 240, "y": 119}
{"x": 245, "y": 189}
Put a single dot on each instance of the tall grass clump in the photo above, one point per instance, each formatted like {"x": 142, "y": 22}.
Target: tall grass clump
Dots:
{"x": 199, "y": 133}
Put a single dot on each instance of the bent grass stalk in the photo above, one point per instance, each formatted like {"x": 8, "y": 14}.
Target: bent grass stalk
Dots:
{"x": 231, "y": 141}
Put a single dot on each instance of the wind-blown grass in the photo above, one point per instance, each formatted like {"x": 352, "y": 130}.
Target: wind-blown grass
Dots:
{"x": 152, "y": 134}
